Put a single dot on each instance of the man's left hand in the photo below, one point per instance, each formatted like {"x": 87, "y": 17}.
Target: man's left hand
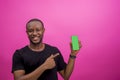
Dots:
{"x": 75, "y": 52}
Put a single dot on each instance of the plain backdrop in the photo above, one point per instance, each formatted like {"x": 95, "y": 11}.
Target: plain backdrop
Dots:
{"x": 95, "y": 22}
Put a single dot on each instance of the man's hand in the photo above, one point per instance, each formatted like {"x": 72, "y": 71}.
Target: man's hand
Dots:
{"x": 50, "y": 63}
{"x": 75, "y": 52}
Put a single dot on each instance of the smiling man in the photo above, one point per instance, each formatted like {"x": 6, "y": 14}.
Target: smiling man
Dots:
{"x": 38, "y": 60}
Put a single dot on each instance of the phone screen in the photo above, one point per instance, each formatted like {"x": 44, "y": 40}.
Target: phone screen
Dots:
{"x": 75, "y": 43}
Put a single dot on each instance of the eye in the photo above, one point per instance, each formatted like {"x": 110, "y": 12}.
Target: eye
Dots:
{"x": 38, "y": 30}
{"x": 30, "y": 30}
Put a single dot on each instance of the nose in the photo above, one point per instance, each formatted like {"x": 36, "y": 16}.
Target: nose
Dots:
{"x": 34, "y": 32}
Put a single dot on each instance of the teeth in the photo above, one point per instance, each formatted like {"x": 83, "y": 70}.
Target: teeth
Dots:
{"x": 35, "y": 38}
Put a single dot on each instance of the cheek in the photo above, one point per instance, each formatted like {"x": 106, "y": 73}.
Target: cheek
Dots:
{"x": 29, "y": 34}
{"x": 40, "y": 33}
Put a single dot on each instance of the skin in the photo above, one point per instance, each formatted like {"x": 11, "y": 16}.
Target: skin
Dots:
{"x": 35, "y": 32}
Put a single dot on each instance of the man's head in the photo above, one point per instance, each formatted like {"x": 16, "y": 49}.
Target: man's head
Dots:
{"x": 35, "y": 30}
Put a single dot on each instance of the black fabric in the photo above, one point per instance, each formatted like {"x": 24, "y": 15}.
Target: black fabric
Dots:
{"x": 28, "y": 60}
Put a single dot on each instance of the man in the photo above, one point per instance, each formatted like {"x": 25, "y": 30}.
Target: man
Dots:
{"x": 40, "y": 61}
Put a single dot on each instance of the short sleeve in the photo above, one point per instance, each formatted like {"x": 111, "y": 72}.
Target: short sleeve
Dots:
{"x": 60, "y": 62}
{"x": 17, "y": 61}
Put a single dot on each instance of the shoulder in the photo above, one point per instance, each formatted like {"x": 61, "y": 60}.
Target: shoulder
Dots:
{"x": 48, "y": 46}
{"x": 52, "y": 49}
{"x": 20, "y": 51}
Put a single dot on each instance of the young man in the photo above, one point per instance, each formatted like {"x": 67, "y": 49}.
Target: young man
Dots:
{"x": 40, "y": 61}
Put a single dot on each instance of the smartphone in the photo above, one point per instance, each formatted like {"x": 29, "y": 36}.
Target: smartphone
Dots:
{"x": 75, "y": 43}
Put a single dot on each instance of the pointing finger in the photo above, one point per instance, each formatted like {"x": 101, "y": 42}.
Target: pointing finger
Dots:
{"x": 55, "y": 55}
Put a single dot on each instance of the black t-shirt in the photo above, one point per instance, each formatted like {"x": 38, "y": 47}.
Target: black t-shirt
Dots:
{"x": 28, "y": 60}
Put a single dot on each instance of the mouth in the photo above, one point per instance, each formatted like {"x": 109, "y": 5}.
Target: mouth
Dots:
{"x": 35, "y": 38}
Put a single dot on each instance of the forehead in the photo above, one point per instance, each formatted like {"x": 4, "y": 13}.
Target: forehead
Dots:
{"x": 34, "y": 24}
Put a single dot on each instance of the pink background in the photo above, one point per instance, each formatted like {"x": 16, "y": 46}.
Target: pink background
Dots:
{"x": 96, "y": 22}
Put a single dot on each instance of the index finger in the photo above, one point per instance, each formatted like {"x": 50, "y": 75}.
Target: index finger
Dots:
{"x": 55, "y": 55}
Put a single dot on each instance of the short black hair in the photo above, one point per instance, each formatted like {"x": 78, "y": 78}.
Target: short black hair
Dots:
{"x": 34, "y": 19}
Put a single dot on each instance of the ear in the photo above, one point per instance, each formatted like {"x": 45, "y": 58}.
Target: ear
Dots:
{"x": 26, "y": 32}
{"x": 43, "y": 30}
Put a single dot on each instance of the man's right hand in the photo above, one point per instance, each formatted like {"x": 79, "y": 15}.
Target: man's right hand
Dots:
{"x": 50, "y": 63}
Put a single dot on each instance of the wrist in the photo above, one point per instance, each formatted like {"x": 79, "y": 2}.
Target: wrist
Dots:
{"x": 72, "y": 56}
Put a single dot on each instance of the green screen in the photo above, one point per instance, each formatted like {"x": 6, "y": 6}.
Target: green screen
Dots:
{"x": 75, "y": 44}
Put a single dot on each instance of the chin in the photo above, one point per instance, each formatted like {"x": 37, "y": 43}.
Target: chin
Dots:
{"x": 36, "y": 42}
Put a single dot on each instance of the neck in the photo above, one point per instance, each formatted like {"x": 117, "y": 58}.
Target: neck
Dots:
{"x": 36, "y": 47}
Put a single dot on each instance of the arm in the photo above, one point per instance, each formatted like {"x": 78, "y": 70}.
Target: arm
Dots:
{"x": 66, "y": 73}
{"x": 48, "y": 64}
{"x": 69, "y": 69}
{"x": 20, "y": 74}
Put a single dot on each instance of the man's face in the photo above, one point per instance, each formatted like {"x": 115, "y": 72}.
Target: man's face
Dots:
{"x": 35, "y": 32}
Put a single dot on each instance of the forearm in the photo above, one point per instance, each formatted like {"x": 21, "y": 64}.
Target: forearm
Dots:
{"x": 69, "y": 68}
{"x": 33, "y": 75}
